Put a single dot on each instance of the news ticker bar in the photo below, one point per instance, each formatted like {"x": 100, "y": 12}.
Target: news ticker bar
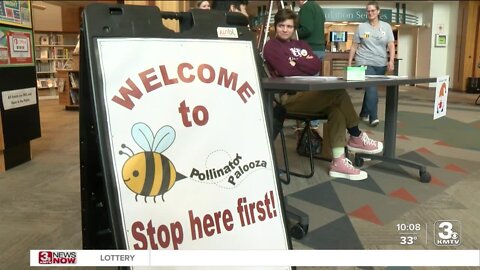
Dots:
{"x": 254, "y": 258}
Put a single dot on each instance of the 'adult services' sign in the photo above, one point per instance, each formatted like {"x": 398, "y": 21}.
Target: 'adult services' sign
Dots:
{"x": 190, "y": 147}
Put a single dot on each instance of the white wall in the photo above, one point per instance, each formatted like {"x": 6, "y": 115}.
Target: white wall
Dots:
{"x": 407, "y": 50}
{"x": 445, "y": 16}
{"x": 424, "y": 44}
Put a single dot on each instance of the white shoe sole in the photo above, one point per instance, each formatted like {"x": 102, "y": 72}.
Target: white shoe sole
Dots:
{"x": 362, "y": 176}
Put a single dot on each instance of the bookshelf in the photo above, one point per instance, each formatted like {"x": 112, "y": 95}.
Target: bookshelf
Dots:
{"x": 53, "y": 51}
{"x": 68, "y": 87}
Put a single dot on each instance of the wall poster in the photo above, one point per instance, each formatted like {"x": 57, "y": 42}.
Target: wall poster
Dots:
{"x": 16, "y": 47}
{"x": 16, "y": 13}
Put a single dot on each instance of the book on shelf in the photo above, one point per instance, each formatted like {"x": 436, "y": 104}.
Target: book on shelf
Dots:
{"x": 67, "y": 64}
{"x": 60, "y": 53}
{"x": 77, "y": 47}
{"x": 61, "y": 85}
{"x": 74, "y": 97}
{"x": 44, "y": 54}
{"x": 43, "y": 67}
{"x": 43, "y": 84}
{"x": 73, "y": 79}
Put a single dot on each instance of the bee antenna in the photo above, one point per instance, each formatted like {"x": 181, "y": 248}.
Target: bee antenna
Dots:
{"x": 124, "y": 146}
{"x": 123, "y": 153}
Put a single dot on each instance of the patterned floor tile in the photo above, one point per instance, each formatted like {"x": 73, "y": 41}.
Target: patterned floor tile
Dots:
{"x": 338, "y": 234}
{"x": 322, "y": 195}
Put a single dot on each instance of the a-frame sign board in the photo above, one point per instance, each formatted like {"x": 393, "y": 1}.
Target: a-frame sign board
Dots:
{"x": 174, "y": 144}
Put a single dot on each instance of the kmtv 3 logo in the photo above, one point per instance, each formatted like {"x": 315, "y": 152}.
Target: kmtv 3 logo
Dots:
{"x": 447, "y": 233}
{"x": 57, "y": 257}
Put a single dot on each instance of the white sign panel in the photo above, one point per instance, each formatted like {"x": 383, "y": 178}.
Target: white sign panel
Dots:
{"x": 190, "y": 147}
{"x": 441, "y": 95}
{"x": 19, "y": 98}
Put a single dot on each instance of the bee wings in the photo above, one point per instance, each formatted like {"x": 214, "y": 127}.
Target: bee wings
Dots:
{"x": 163, "y": 139}
{"x": 143, "y": 136}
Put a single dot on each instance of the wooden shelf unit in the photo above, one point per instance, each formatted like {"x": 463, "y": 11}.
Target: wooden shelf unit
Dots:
{"x": 69, "y": 87}
{"x": 53, "y": 51}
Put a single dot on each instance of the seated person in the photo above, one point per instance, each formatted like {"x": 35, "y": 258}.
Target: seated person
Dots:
{"x": 286, "y": 56}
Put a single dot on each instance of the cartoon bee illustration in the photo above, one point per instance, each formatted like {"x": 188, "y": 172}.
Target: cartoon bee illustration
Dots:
{"x": 150, "y": 173}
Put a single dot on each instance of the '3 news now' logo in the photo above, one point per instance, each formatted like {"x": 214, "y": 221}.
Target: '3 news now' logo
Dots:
{"x": 60, "y": 257}
{"x": 447, "y": 233}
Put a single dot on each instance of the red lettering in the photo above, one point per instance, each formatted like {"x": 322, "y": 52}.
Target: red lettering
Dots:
{"x": 208, "y": 225}
{"x": 163, "y": 236}
{"x": 184, "y": 110}
{"x": 137, "y": 228}
{"x": 126, "y": 93}
{"x": 211, "y": 225}
{"x": 195, "y": 226}
{"x": 196, "y": 117}
{"x": 227, "y": 220}
{"x": 181, "y": 74}
{"x": 245, "y": 90}
{"x": 147, "y": 81}
{"x": 151, "y": 235}
{"x": 227, "y": 80}
{"x": 177, "y": 234}
{"x": 201, "y": 74}
{"x": 166, "y": 79}
{"x": 261, "y": 211}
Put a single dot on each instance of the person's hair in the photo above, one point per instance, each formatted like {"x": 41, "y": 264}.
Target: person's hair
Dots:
{"x": 373, "y": 3}
{"x": 225, "y": 5}
{"x": 285, "y": 14}
{"x": 198, "y": 3}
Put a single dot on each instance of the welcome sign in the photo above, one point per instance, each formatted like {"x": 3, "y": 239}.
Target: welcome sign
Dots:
{"x": 190, "y": 147}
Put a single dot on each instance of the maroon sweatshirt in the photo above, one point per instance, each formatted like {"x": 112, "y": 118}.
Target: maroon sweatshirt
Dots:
{"x": 278, "y": 54}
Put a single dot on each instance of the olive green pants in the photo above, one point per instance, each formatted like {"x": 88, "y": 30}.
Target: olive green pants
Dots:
{"x": 334, "y": 103}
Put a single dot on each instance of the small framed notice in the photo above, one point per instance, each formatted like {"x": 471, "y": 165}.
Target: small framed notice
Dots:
{"x": 440, "y": 40}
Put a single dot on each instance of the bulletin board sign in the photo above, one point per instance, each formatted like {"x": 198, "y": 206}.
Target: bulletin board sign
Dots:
{"x": 17, "y": 13}
{"x": 15, "y": 47}
{"x": 182, "y": 135}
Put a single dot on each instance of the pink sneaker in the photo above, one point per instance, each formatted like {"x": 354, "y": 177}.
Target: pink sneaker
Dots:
{"x": 342, "y": 168}
{"x": 363, "y": 144}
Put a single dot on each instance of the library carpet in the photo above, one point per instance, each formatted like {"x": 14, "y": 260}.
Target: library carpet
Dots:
{"x": 344, "y": 213}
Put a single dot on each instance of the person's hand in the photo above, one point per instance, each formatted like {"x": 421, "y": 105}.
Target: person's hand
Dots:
{"x": 390, "y": 66}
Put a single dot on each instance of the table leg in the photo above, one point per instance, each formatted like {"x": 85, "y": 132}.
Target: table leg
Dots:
{"x": 390, "y": 131}
{"x": 389, "y": 138}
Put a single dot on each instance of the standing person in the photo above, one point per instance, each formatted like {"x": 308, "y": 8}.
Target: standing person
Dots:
{"x": 203, "y": 4}
{"x": 286, "y": 56}
{"x": 369, "y": 47}
{"x": 311, "y": 20}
